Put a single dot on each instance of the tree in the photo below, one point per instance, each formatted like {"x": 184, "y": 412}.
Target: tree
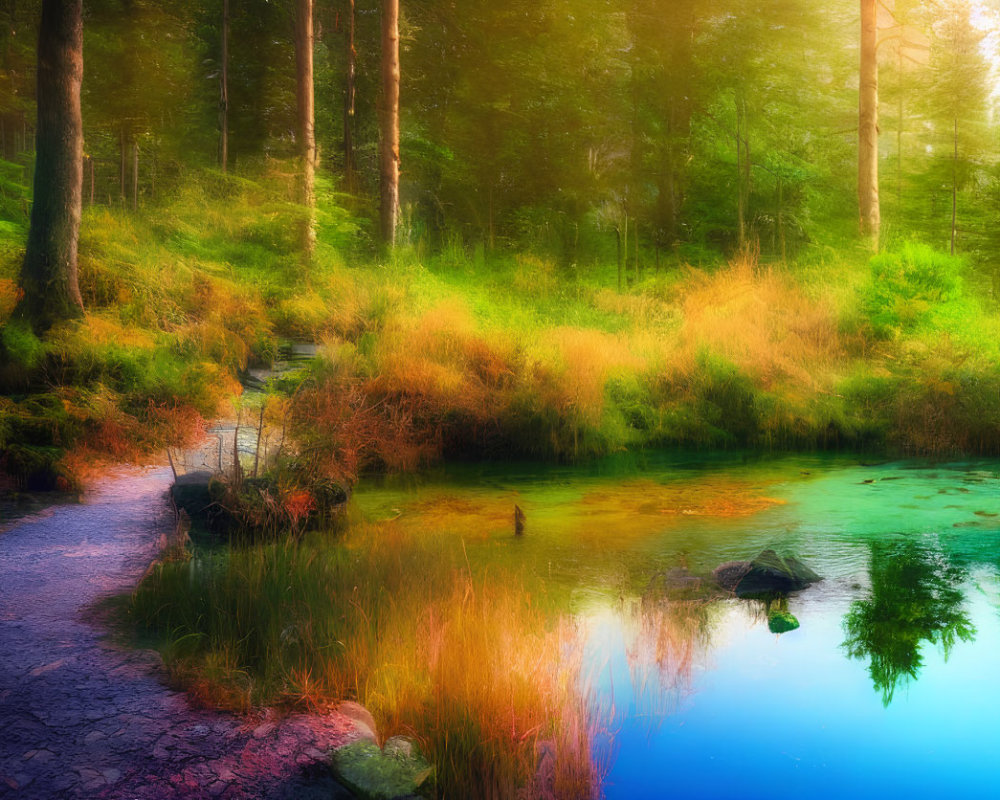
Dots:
{"x": 868, "y": 203}
{"x": 389, "y": 153}
{"x": 350, "y": 92}
{"x": 959, "y": 93}
{"x": 49, "y": 272}
{"x": 306, "y": 118}
{"x": 914, "y": 598}
{"x": 224, "y": 91}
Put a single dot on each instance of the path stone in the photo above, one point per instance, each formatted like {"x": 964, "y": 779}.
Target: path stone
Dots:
{"x": 81, "y": 718}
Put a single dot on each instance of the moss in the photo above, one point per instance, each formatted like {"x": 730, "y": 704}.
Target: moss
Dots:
{"x": 376, "y": 775}
{"x": 781, "y": 622}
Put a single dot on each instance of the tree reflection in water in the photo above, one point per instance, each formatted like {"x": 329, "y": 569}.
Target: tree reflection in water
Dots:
{"x": 916, "y": 596}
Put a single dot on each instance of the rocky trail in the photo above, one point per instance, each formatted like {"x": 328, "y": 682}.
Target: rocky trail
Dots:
{"x": 81, "y": 717}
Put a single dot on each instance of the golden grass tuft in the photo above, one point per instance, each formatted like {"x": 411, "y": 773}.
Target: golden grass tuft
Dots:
{"x": 763, "y": 322}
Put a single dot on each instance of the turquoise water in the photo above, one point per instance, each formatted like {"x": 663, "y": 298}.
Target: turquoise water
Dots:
{"x": 887, "y": 689}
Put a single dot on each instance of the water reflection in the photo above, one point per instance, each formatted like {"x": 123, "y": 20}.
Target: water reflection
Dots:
{"x": 915, "y": 597}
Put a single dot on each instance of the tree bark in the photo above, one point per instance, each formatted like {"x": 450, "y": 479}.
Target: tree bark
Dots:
{"x": 389, "y": 156}
{"x": 135, "y": 174}
{"x": 306, "y": 119}
{"x": 954, "y": 190}
{"x": 49, "y": 272}
{"x": 350, "y": 94}
{"x": 224, "y": 91}
{"x": 868, "y": 202}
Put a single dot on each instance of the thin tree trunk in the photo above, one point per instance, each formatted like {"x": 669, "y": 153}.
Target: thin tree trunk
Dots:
{"x": 135, "y": 175}
{"x": 954, "y": 190}
{"x": 49, "y": 271}
{"x": 349, "y": 99}
{"x": 740, "y": 208}
{"x": 899, "y": 141}
{"x": 868, "y": 202}
{"x": 389, "y": 159}
{"x": 224, "y": 91}
{"x": 636, "y": 235}
{"x": 91, "y": 159}
{"x": 618, "y": 240}
{"x": 122, "y": 166}
{"x": 306, "y": 119}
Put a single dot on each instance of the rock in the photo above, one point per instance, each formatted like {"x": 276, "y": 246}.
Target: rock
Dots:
{"x": 399, "y": 745}
{"x": 781, "y": 622}
{"x": 376, "y": 775}
{"x": 770, "y": 575}
{"x": 364, "y": 722}
{"x": 729, "y": 575}
{"x": 191, "y": 493}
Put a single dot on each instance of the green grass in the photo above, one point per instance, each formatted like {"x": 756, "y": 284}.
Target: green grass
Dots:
{"x": 475, "y": 664}
{"x": 505, "y": 355}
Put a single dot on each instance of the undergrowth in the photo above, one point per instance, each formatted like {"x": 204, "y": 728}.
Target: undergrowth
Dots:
{"x": 459, "y": 356}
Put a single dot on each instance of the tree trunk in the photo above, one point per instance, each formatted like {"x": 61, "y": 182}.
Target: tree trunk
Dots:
{"x": 954, "y": 190}
{"x": 349, "y": 99}
{"x": 224, "y": 91}
{"x": 741, "y": 226}
{"x": 618, "y": 240}
{"x": 135, "y": 174}
{"x": 122, "y": 166}
{"x": 307, "y": 120}
{"x": 389, "y": 156}
{"x": 868, "y": 204}
{"x": 49, "y": 271}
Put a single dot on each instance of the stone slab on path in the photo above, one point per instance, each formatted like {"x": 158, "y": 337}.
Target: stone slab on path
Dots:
{"x": 82, "y": 718}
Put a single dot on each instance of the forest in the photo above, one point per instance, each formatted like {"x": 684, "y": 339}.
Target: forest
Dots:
{"x": 439, "y": 247}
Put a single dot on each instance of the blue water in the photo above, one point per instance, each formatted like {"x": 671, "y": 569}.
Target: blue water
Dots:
{"x": 889, "y": 688}
{"x": 767, "y": 716}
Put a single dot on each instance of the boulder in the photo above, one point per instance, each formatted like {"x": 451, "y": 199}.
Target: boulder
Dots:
{"x": 772, "y": 575}
{"x": 729, "y": 575}
{"x": 361, "y": 717}
{"x": 373, "y": 774}
{"x": 191, "y": 492}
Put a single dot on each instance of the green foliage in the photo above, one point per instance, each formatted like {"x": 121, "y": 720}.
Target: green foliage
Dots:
{"x": 21, "y": 345}
{"x": 906, "y": 286}
{"x": 915, "y": 599}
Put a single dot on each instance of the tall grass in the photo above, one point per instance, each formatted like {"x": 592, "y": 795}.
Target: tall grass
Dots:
{"x": 469, "y": 663}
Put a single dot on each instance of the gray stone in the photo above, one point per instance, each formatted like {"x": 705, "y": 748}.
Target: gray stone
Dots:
{"x": 773, "y": 575}
{"x": 364, "y": 722}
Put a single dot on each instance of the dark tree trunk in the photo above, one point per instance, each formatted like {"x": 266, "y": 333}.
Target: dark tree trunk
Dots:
{"x": 390, "y": 122}
{"x": 224, "y": 91}
{"x": 49, "y": 272}
{"x": 306, "y": 118}
{"x": 350, "y": 94}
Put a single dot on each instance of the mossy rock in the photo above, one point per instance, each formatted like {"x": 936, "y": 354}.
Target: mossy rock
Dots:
{"x": 771, "y": 575}
{"x": 781, "y": 622}
{"x": 374, "y": 774}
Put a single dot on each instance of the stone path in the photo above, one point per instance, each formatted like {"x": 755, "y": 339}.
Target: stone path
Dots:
{"x": 82, "y": 718}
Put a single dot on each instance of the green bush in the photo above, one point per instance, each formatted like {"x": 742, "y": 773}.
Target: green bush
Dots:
{"x": 906, "y": 285}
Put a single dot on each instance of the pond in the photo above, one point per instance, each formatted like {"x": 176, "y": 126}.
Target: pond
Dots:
{"x": 886, "y": 688}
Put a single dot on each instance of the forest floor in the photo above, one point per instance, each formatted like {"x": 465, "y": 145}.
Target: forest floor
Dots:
{"x": 83, "y": 717}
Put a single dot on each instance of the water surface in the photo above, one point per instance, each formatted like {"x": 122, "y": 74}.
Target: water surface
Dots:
{"x": 887, "y": 687}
